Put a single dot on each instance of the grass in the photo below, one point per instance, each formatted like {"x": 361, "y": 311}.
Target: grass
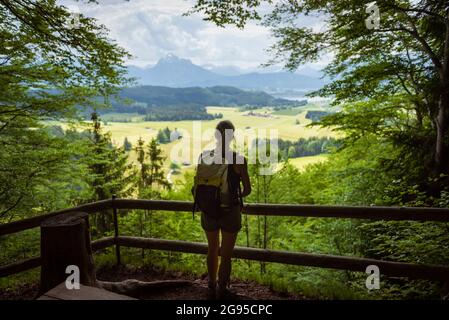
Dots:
{"x": 285, "y": 124}
{"x": 302, "y": 162}
{"x": 20, "y": 279}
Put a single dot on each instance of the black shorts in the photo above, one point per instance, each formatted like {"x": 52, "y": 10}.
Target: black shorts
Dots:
{"x": 230, "y": 221}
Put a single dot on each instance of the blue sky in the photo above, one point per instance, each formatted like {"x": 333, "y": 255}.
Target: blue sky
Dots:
{"x": 151, "y": 29}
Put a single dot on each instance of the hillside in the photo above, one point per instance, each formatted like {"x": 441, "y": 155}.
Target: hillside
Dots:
{"x": 217, "y": 96}
{"x": 164, "y": 103}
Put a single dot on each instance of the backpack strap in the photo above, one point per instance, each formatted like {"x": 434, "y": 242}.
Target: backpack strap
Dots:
{"x": 200, "y": 159}
{"x": 240, "y": 194}
{"x": 239, "y": 189}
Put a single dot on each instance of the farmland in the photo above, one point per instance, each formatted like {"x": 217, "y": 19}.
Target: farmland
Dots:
{"x": 290, "y": 124}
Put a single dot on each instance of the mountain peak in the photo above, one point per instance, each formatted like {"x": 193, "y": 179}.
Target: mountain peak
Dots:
{"x": 171, "y": 58}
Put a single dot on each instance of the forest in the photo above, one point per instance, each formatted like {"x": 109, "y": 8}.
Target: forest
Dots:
{"x": 390, "y": 106}
{"x": 178, "y": 113}
{"x": 175, "y": 104}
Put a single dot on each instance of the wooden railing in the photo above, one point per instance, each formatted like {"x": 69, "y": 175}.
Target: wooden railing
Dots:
{"x": 388, "y": 268}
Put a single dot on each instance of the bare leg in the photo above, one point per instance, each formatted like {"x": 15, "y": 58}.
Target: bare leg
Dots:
{"x": 212, "y": 256}
{"x": 227, "y": 246}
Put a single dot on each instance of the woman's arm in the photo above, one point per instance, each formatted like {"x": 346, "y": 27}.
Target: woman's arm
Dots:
{"x": 243, "y": 168}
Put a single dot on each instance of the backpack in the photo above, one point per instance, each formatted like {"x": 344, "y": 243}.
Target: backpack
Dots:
{"x": 211, "y": 189}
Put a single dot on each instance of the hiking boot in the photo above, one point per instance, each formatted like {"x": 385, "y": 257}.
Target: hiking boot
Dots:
{"x": 224, "y": 293}
{"x": 212, "y": 291}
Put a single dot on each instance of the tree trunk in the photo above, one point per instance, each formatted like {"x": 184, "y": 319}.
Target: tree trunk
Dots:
{"x": 65, "y": 241}
{"x": 441, "y": 148}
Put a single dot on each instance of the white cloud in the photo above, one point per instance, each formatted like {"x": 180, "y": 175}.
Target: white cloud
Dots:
{"x": 151, "y": 29}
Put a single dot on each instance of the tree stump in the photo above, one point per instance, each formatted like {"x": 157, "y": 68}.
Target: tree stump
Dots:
{"x": 65, "y": 240}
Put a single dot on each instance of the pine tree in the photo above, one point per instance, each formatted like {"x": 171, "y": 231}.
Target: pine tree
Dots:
{"x": 164, "y": 135}
{"x": 151, "y": 173}
{"x": 110, "y": 171}
{"x": 167, "y": 134}
{"x": 156, "y": 162}
{"x": 127, "y": 145}
{"x": 143, "y": 166}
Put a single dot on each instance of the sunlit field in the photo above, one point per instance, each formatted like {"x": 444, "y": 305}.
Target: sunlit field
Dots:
{"x": 285, "y": 124}
{"x": 290, "y": 124}
{"x": 302, "y": 162}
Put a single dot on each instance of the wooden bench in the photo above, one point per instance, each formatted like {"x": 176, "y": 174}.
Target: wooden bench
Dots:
{"x": 60, "y": 292}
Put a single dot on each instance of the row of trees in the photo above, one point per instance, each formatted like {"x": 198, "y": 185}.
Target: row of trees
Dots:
{"x": 307, "y": 147}
{"x": 166, "y": 135}
{"x": 176, "y": 113}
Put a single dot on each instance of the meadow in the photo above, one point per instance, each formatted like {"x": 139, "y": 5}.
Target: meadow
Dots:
{"x": 290, "y": 124}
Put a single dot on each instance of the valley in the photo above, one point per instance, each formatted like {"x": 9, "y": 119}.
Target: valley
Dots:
{"x": 290, "y": 124}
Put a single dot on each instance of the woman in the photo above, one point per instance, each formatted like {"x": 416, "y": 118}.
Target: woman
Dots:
{"x": 229, "y": 223}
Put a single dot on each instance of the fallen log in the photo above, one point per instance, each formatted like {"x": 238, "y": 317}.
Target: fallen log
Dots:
{"x": 135, "y": 288}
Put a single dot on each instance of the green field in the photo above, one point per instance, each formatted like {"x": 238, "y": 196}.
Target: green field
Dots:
{"x": 300, "y": 163}
{"x": 303, "y": 162}
{"x": 288, "y": 112}
{"x": 262, "y": 119}
{"x": 284, "y": 124}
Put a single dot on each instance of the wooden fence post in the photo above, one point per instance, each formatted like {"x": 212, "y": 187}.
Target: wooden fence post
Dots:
{"x": 116, "y": 234}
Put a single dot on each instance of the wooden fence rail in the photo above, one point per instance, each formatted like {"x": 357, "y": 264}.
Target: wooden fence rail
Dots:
{"x": 389, "y": 268}
{"x": 397, "y": 269}
{"x": 293, "y": 210}
{"x": 35, "y": 262}
{"x": 34, "y": 222}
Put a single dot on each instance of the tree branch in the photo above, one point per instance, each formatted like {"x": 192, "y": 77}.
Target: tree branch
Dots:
{"x": 446, "y": 50}
{"x": 415, "y": 33}
{"x": 417, "y": 10}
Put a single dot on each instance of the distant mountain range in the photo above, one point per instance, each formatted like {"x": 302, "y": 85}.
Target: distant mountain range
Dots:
{"x": 172, "y": 71}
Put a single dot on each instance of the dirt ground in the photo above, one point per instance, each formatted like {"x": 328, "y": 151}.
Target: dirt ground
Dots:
{"x": 245, "y": 290}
